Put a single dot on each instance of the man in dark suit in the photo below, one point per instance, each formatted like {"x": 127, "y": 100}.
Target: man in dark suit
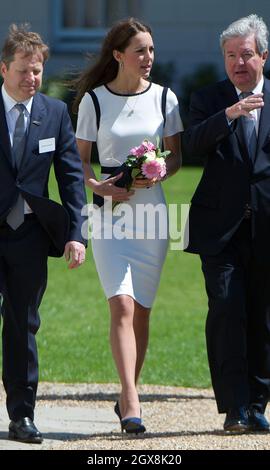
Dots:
{"x": 229, "y": 224}
{"x": 35, "y": 133}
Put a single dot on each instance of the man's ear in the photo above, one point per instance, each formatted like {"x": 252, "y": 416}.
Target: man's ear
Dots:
{"x": 3, "y": 69}
{"x": 264, "y": 56}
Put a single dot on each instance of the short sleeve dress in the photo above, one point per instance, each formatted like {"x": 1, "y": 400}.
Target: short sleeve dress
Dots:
{"x": 129, "y": 244}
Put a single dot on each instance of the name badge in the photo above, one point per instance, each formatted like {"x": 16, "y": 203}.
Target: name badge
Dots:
{"x": 46, "y": 145}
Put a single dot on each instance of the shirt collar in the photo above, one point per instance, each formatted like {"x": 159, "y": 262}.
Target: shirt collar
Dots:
{"x": 9, "y": 102}
{"x": 258, "y": 88}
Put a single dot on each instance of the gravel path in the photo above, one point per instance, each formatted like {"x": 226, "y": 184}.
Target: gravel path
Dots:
{"x": 175, "y": 417}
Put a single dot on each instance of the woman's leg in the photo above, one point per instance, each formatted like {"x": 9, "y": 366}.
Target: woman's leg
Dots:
{"x": 141, "y": 330}
{"x": 124, "y": 350}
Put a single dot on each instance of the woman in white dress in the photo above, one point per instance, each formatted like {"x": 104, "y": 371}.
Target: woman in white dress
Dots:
{"x": 122, "y": 109}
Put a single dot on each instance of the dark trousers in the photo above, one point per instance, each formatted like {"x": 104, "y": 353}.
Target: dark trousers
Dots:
{"x": 23, "y": 274}
{"x": 238, "y": 323}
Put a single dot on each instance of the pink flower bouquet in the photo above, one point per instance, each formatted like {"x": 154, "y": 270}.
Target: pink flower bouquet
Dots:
{"x": 147, "y": 161}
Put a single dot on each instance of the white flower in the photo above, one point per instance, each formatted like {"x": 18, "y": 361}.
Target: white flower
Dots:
{"x": 151, "y": 155}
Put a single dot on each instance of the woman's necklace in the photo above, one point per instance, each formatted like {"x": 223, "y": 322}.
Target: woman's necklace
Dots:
{"x": 130, "y": 99}
{"x": 132, "y": 108}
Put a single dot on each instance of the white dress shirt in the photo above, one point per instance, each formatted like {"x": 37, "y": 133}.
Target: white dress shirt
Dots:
{"x": 12, "y": 115}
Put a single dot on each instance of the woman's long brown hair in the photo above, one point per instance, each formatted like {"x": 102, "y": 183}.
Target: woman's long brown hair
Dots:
{"x": 106, "y": 67}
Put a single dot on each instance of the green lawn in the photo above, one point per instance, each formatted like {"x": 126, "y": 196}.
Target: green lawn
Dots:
{"x": 73, "y": 338}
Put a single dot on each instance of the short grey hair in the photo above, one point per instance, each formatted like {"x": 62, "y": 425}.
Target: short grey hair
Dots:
{"x": 247, "y": 25}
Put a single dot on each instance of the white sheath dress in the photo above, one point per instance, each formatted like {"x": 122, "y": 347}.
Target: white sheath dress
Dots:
{"x": 130, "y": 245}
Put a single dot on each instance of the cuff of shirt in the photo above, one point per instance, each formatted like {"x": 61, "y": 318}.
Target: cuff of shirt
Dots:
{"x": 229, "y": 121}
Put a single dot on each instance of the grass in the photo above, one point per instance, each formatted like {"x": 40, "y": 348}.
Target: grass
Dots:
{"x": 73, "y": 339}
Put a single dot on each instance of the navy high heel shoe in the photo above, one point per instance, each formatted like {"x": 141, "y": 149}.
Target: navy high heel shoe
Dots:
{"x": 117, "y": 410}
{"x": 132, "y": 425}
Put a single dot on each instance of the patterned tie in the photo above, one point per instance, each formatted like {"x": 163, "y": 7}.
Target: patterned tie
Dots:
{"x": 16, "y": 216}
{"x": 249, "y": 130}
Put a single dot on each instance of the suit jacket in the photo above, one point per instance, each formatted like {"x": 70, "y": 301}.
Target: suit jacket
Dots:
{"x": 49, "y": 118}
{"x": 230, "y": 179}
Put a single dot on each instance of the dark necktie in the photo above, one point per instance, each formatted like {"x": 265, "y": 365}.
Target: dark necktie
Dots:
{"x": 249, "y": 130}
{"x": 16, "y": 216}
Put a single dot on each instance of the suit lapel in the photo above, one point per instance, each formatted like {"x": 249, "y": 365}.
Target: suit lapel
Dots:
{"x": 230, "y": 97}
{"x": 229, "y": 93}
{"x": 4, "y": 134}
{"x": 38, "y": 113}
{"x": 264, "y": 125}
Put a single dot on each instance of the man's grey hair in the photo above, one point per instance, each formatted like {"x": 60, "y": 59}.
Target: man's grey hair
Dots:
{"x": 246, "y": 26}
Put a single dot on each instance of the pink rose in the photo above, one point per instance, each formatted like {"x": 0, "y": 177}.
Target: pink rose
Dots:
{"x": 148, "y": 145}
{"x": 163, "y": 170}
{"x": 133, "y": 151}
{"x": 138, "y": 151}
{"x": 152, "y": 169}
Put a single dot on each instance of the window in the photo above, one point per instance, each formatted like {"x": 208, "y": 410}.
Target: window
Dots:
{"x": 81, "y": 24}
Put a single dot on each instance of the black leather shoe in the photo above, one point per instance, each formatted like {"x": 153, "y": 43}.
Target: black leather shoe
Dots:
{"x": 24, "y": 430}
{"x": 237, "y": 420}
{"x": 257, "y": 421}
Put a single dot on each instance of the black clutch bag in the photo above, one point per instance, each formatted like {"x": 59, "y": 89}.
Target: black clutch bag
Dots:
{"x": 124, "y": 181}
